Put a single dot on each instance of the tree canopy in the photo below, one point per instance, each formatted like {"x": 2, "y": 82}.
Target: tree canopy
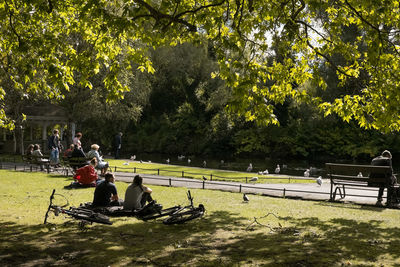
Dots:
{"x": 268, "y": 51}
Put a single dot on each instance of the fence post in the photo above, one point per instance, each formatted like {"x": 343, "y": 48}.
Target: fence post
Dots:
{"x": 211, "y": 177}
{"x": 115, "y": 169}
{"x": 289, "y": 179}
{"x": 48, "y": 168}
{"x": 183, "y": 174}
{"x": 134, "y": 170}
{"x": 284, "y": 192}
{"x": 170, "y": 182}
{"x": 158, "y": 171}
{"x": 203, "y": 183}
{"x": 240, "y": 188}
{"x": 15, "y": 167}
{"x": 246, "y": 180}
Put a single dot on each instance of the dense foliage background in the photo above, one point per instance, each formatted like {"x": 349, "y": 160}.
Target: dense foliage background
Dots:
{"x": 181, "y": 110}
{"x": 209, "y": 77}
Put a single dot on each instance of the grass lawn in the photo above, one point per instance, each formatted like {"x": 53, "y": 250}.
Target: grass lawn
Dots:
{"x": 125, "y": 165}
{"x": 198, "y": 173}
{"x": 297, "y": 233}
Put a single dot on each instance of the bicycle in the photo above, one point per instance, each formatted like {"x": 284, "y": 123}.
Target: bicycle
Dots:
{"x": 85, "y": 216}
{"x": 186, "y": 213}
{"x": 159, "y": 214}
{"x": 152, "y": 210}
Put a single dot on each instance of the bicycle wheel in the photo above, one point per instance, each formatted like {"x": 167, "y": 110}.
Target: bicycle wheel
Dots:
{"x": 184, "y": 216}
{"x": 88, "y": 215}
{"x": 162, "y": 213}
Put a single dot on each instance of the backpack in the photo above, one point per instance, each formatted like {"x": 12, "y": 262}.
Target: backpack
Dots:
{"x": 151, "y": 208}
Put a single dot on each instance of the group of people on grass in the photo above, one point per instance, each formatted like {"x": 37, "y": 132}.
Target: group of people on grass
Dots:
{"x": 136, "y": 194}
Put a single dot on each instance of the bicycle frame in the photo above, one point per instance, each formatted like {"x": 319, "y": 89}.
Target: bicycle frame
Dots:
{"x": 84, "y": 215}
{"x": 190, "y": 206}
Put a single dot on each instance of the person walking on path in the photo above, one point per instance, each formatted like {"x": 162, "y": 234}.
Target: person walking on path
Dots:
{"x": 118, "y": 143}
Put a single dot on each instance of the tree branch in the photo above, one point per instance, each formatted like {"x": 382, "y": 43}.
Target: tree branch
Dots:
{"x": 158, "y": 16}
{"x": 12, "y": 26}
{"x": 314, "y": 30}
{"x": 324, "y": 56}
{"x": 360, "y": 16}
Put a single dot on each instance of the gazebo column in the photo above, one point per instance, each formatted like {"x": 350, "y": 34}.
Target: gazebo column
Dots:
{"x": 44, "y": 130}
{"x": 22, "y": 140}
{"x": 73, "y": 129}
{"x": 31, "y": 132}
{"x": 62, "y": 131}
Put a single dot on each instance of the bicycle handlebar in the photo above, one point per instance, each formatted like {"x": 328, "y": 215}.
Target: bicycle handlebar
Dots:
{"x": 189, "y": 195}
{"x": 48, "y": 209}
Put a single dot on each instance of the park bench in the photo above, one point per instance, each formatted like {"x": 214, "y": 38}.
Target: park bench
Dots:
{"x": 37, "y": 161}
{"x": 342, "y": 175}
{"x": 74, "y": 162}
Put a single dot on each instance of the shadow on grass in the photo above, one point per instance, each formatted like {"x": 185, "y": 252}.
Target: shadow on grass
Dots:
{"x": 355, "y": 206}
{"x": 220, "y": 238}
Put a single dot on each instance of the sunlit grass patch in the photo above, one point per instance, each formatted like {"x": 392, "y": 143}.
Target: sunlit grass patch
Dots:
{"x": 264, "y": 231}
{"x": 198, "y": 173}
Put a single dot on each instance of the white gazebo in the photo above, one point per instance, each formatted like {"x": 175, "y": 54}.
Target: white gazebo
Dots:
{"x": 39, "y": 123}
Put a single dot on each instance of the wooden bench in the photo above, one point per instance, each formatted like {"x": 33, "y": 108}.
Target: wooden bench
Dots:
{"x": 37, "y": 161}
{"x": 74, "y": 162}
{"x": 342, "y": 175}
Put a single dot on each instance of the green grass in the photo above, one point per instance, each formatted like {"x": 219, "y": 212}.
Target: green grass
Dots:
{"x": 303, "y": 233}
{"x": 185, "y": 171}
{"x": 198, "y": 173}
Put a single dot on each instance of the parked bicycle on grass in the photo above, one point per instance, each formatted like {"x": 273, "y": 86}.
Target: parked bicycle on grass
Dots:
{"x": 153, "y": 210}
{"x": 85, "y": 216}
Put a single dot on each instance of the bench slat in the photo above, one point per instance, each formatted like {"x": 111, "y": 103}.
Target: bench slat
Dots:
{"x": 350, "y": 178}
{"x": 355, "y": 169}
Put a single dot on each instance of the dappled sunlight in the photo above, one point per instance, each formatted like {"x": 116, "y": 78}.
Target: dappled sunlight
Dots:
{"x": 221, "y": 235}
{"x": 262, "y": 231}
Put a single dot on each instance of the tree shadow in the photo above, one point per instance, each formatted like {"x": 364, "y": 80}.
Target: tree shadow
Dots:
{"x": 220, "y": 238}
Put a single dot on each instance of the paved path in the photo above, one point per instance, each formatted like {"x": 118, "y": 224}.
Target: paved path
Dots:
{"x": 309, "y": 191}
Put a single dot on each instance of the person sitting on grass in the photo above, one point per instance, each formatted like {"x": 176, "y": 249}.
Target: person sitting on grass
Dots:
{"x": 105, "y": 193}
{"x": 87, "y": 175}
{"x": 137, "y": 194}
{"x": 94, "y": 153}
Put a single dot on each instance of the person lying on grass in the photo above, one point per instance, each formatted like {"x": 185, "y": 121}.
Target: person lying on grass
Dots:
{"x": 137, "y": 194}
{"x": 105, "y": 193}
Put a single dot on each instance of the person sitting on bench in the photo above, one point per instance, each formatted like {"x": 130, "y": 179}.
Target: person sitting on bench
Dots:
{"x": 137, "y": 194}
{"x": 385, "y": 159}
{"x": 38, "y": 156}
